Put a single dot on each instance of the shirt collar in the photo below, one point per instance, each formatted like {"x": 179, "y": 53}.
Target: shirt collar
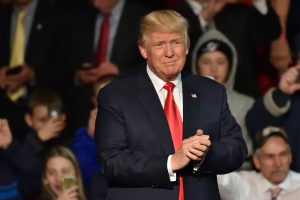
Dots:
{"x": 285, "y": 185}
{"x": 159, "y": 83}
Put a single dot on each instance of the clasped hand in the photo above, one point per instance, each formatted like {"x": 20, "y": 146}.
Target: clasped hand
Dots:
{"x": 193, "y": 148}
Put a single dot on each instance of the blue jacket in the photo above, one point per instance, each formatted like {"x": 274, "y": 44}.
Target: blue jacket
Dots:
{"x": 85, "y": 152}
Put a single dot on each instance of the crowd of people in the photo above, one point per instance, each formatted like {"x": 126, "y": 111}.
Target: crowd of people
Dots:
{"x": 85, "y": 88}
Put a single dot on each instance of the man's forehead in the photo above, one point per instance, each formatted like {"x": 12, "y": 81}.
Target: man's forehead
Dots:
{"x": 274, "y": 145}
{"x": 165, "y": 35}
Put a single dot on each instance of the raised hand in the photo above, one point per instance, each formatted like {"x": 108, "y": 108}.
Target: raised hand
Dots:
{"x": 288, "y": 80}
{"x": 193, "y": 148}
{"x": 5, "y": 134}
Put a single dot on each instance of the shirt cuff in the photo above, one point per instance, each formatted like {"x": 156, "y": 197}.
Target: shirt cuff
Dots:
{"x": 261, "y": 6}
{"x": 197, "y": 165}
{"x": 172, "y": 175}
{"x": 271, "y": 105}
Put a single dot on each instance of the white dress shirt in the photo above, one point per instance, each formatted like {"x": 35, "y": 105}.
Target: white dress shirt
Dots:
{"x": 162, "y": 94}
{"x": 250, "y": 185}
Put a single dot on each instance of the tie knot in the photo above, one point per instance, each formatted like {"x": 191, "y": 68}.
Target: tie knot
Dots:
{"x": 169, "y": 86}
{"x": 275, "y": 192}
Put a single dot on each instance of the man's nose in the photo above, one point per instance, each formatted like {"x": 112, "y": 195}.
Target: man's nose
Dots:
{"x": 277, "y": 161}
{"x": 169, "y": 51}
{"x": 214, "y": 67}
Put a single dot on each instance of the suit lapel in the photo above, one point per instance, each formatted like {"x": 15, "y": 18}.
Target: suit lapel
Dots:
{"x": 152, "y": 105}
{"x": 191, "y": 108}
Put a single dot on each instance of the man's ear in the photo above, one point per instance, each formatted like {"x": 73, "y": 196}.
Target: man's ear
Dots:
{"x": 143, "y": 51}
{"x": 28, "y": 119}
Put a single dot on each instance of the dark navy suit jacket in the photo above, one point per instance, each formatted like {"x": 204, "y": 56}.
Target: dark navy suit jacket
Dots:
{"x": 133, "y": 140}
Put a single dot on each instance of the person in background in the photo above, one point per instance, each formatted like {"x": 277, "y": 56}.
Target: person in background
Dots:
{"x": 85, "y": 150}
{"x": 84, "y": 144}
{"x": 294, "y": 27}
{"x": 273, "y": 180}
{"x": 280, "y": 52}
{"x": 214, "y": 56}
{"x": 106, "y": 44}
{"x": 61, "y": 176}
{"x": 33, "y": 54}
{"x": 20, "y": 170}
{"x": 280, "y": 106}
{"x": 145, "y": 149}
{"x": 46, "y": 121}
{"x": 243, "y": 25}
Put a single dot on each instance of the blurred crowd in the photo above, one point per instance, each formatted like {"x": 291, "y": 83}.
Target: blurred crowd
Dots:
{"x": 56, "y": 55}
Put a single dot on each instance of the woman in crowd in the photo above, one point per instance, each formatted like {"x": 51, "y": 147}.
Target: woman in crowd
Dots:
{"x": 61, "y": 176}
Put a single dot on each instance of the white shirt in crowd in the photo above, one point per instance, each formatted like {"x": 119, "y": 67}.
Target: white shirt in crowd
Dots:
{"x": 250, "y": 185}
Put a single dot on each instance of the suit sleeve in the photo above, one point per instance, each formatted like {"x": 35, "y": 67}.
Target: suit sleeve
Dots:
{"x": 258, "y": 117}
{"x": 120, "y": 163}
{"x": 228, "y": 151}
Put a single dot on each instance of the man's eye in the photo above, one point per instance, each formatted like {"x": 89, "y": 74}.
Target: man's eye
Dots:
{"x": 176, "y": 43}
{"x": 159, "y": 45}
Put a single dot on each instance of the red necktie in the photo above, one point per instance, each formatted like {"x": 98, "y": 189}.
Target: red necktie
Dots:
{"x": 175, "y": 125}
{"x": 103, "y": 40}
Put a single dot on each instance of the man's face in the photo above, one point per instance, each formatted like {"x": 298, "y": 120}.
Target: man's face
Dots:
{"x": 273, "y": 160}
{"x": 165, "y": 53}
{"x": 38, "y": 118}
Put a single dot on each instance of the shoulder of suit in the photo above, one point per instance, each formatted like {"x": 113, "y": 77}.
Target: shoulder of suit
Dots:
{"x": 196, "y": 80}
{"x": 122, "y": 83}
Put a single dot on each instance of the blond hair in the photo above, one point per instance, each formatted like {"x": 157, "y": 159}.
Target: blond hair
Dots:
{"x": 163, "y": 21}
{"x": 64, "y": 152}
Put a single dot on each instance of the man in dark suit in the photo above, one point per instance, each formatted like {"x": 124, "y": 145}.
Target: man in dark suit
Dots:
{"x": 144, "y": 153}
{"x": 42, "y": 66}
{"x": 243, "y": 25}
{"x": 122, "y": 56}
{"x": 46, "y": 29}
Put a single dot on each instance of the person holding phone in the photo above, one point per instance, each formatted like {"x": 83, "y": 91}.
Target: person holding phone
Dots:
{"x": 33, "y": 52}
{"x": 280, "y": 107}
{"x": 61, "y": 176}
{"x": 46, "y": 121}
{"x": 33, "y": 49}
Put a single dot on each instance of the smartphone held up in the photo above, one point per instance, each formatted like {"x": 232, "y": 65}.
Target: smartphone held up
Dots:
{"x": 67, "y": 182}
